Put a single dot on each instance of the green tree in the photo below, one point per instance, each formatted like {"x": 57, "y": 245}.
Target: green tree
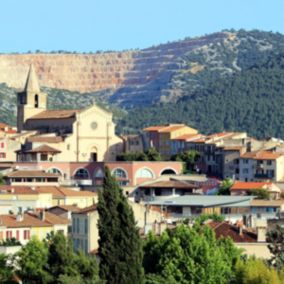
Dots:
{"x": 120, "y": 248}
{"x": 153, "y": 155}
{"x": 6, "y": 269}
{"x": 225, "y": 186}
{"x": 61, "y": 260}
{"x": 260, "y": 193}
{"x": 189, "y": 255}
{"x": 275, "y": 238}
{"x": 31, "y": 261}
{"x": 189, "y": 158}
{"x": 255, "y": 271}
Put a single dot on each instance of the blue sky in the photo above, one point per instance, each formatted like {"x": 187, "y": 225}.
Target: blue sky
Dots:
{"x": 90, "y": 25}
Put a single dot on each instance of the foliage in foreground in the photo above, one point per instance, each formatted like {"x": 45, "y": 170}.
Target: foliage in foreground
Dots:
{"x": 189, "y": 255}
{"x": 120, "y": 247}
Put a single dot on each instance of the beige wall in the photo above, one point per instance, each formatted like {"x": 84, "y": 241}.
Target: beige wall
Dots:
{"x": 257, "y": 249}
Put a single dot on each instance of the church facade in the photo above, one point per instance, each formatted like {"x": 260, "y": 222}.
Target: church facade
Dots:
{"x": 78, "y": 135}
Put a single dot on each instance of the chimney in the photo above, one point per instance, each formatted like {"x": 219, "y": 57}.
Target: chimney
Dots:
{"x": 20, "y": 217}
{"x": 42, "y": 215}
{"x": 261, "y": 229}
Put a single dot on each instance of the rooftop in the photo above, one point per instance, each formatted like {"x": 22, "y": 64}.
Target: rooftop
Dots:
{"x": 56, "y": 114}
{"x": 88, "y": 209}
{"x": 43, "y": 149}
{"x": 31, "y": 173}
{"x": 242, "y": 185}
{"x": 46, "y": 139}
{"x": 170, "y": 184}
{"x": 224, "y": 229}
{"x": 203, "y": 201}
{"x": 261, "y": 155}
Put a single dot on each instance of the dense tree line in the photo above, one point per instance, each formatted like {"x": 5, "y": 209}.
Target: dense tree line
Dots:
{"x": 250, "y": 101}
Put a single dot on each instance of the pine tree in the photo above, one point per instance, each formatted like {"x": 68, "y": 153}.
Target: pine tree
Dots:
{"x": 120, "y": 247}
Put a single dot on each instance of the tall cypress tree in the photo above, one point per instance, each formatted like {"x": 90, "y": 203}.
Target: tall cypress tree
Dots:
{"x": 120, "y": 247}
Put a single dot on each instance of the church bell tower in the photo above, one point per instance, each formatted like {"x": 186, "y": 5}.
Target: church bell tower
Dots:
{"x": 31, "y": 101}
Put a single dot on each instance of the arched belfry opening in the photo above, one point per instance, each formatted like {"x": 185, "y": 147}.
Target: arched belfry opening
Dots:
{"x": 36, "y": 101}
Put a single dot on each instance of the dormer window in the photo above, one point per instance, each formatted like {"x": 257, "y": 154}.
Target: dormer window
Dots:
{"x": 36, "y": 101}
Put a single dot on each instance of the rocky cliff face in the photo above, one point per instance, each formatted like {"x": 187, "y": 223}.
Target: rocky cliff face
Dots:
{"x": 95, "y": 72}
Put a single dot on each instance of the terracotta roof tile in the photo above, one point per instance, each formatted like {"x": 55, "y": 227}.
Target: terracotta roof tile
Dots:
{"x": 62, "y": 191}
{"x": 51, "y": 114}
{"x": 261, "y": 155}
{"x": 169, "y": 184}
{"x": 30, "y": 173}
{"x": 242, "y": 185}
{"x": 223, "y": 229}
{"x": 88, "y": 209}
{"x": 43, "y": 149}
{"x": 46, "y": 139}
{"x": 188, "y": 137}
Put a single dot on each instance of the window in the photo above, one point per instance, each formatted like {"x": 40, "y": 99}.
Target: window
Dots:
{"x": 119, "y": 173}
{"x": 81, "y": 174}
{"x": 86, "y": 226}
{"x": 9, "y": 234}
{"x": 26, "y": 234}
{"x": 144, "y": 173}
{"x": 55, "y": 171}
{"x": 270, "y": 173}
{"x": 245, "y": 171}
{"x": 3, "y": 155}
{"x": 245, "y": 161}
{"x": 18, "y": 235}
{"x": 43, "y": 157}
{"x": 2, "y": 144}
{"x": 36, "y": 101}
{"x": 269, "y": 162}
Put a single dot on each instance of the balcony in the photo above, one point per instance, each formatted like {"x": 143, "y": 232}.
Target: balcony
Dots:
{"x": 77, "y": 182}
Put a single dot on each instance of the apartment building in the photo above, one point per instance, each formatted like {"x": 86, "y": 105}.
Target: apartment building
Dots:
{"x": 261, "y": 166}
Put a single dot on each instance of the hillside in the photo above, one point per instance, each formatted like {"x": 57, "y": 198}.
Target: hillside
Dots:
{"x": 231, "y": 80}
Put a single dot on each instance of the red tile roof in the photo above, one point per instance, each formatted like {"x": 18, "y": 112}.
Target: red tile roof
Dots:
{"x": 261, "y": 155}
{"x": 167, "y": 128}
{"x": 223, "y": 229}
{"x": 57, "y": 114}
{"x": 88, "y": 209}
{"x": 30, "y": 173}
{"x": 242, "y": 185}
{"x": 46, "y": 139}
{"x": 43, "y": 149}
{"x": 169, "y": 184}
{"x": 188, "y": 137}
{"x": 63, "y": 192}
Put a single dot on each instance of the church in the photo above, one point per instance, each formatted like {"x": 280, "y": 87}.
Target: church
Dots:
{"x": 75, "y": 135}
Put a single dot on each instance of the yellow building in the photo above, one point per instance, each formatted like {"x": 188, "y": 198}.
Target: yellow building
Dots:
{"x": 64, "y": 135}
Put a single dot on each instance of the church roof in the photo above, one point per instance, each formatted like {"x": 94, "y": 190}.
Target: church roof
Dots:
{"x": 32, "y": 84}
{"x": 43, "y": 149}
{"x": 51, "y": 114}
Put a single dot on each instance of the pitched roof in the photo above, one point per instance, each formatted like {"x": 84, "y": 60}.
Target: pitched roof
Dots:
{"x": 88, "y": 209}
{"x": 266, "y": 203}
{"x": 71, "y": 208}
{"x": 43, "y": 149}
{"x": 169, "y": 184}
{"x": 32, "y": 84}
{"x": 31, "y": 173}
{"x": 224, "y": 229}
{"x": 57, "y": 114}
{"x": 17, "y": 190}
{"x": 188, "y": 137}
{"x": 46, "y": 139}
{"x": 55, "y": 219}
{"x": 261, "y": 155}
{"x": 242, "y": 185}
{"x": 28, "y": 220}
{"x": 166, "y": 128}
{"x": 64, "y": 192}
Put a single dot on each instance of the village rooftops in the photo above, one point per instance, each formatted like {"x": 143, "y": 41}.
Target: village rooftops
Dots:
{"x": 224, "y": 229}
{"x": 188, "y": 137}
{"x": 261, "y": 155}
{"x": 203, "y": 201}
{"x": 167, "y": 128}
{"x": 45, "y": 139}
{"x": 56, "y": 114}
{"x": 88, "y": 209}
{"x": 31, "y": 174}
{"x": 44, "y": 219}
{"x": 242, "y": 185}
{"x": 179, "y": 184}
{"x": 41, "y": 149}
{"x": 58, "y": 192}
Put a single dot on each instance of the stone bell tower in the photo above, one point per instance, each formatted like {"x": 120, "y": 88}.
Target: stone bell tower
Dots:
{"x": 31, "y": 101}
